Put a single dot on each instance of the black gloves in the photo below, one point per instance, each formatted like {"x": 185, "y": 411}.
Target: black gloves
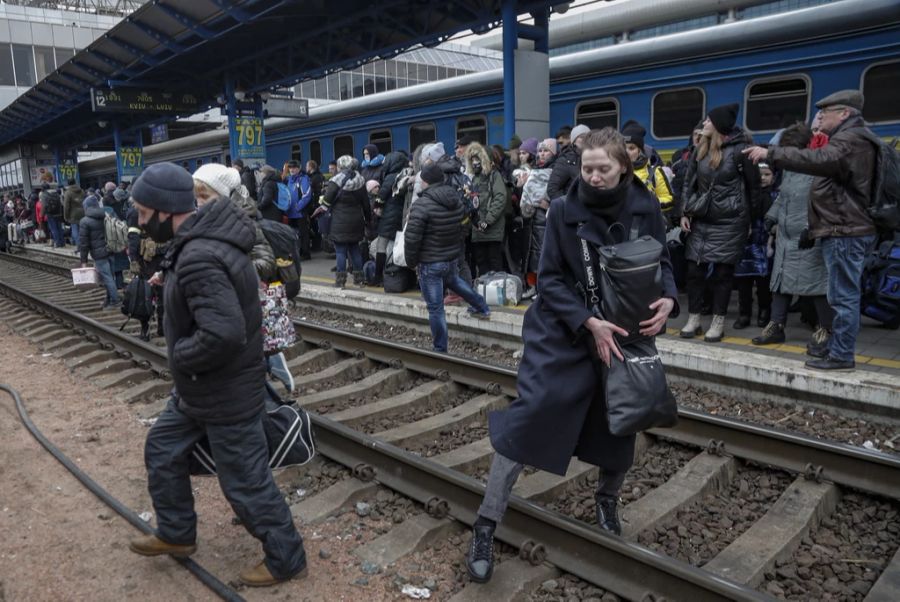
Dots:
{"x": 806, "y": 242}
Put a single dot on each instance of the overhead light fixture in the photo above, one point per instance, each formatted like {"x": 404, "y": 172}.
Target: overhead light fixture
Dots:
{"x": 239, "y": 95}
{"x": 101, "y": 124}
{"x": 264, "y": 95}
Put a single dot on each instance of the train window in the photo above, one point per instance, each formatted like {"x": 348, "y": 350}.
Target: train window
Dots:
{"x": 420, "y": 133}
{"x": 381, "y": 139}
{"x": 879, "y": 86}
{"x": 598, "y": 114}
{"x": 776, "y": 103}
{"x": 476, "y": 127}
{"x": 675, "y": 112}
{"x": 315, "y": 151}
{"x": 295, "y": 152}
{"x": 343, "y": 145}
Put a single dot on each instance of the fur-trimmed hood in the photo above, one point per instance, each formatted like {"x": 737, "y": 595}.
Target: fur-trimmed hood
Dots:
{"x": 476, "y": 150}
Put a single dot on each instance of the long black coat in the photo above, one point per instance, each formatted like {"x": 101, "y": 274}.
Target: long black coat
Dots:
{"x": 392, "y": 205}
{"x": 346, "y": 197}
{"x": 565, "y": 171}
{"x": 560, "y": 411}
{"x": 92, "y": 235}
{"x": 268, "y": 194}
{"x": 213, "y": 320}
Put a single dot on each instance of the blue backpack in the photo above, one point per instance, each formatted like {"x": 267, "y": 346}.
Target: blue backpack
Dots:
{"x": 283, "y": 202}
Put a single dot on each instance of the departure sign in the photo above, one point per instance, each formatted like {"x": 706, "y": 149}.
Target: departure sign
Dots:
{"x": 135, "y": 100}
{"x": 68, "y": 170}
{"x": 250, "y": 138}
{"x": 131, "y": 161}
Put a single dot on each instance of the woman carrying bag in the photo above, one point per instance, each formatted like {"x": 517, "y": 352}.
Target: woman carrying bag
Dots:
{"x": 562, "y": 408}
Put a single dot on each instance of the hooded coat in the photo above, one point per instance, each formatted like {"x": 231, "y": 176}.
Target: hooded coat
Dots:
{"x": 390, "y": 198}
{"x": 92, "y": 235}
{"x": 72, "y": 199}
{"x": 346, "y": 197}
{"x": 492, "y": 196}
{"x": 268, "y": 194}
{"x": 434, "y": 228}
{"x": 565, "y": 171}
{"x": 213, "y": 321}
{"x": 561, "y": 410}
{"x": 721, "y": 234}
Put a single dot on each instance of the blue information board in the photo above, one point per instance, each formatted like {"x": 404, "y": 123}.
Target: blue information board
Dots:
{"x": 67, "y": 167}
{"x": 130, "y": 160}
{"x": 249, "y": 138}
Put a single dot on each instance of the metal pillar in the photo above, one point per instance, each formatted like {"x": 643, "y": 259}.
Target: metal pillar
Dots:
{"x": 526, "y": 75}
{"x": 510, "y": 44}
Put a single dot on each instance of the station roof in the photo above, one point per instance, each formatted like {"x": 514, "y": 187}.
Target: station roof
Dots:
{"x": 192, "y": 46}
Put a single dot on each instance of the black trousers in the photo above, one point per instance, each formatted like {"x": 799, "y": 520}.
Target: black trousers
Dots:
{"x": 745, "y": 286}
{"x": 781, "y": 302}
{"x": 488, "y": 256}
{"x": 719, "y": 281}
{"x": 242, "y": 463}
{"x": 301, "y": 226}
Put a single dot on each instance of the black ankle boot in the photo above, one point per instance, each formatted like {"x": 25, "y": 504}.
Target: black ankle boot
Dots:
{"x": 607, "y": 518}
{"x": 742, "y": 322}
{"x": 480, "y": 559}
{"x": 145, "y": 331}
{"x": 380, "y": 261}
{"x": 763, "y": 317}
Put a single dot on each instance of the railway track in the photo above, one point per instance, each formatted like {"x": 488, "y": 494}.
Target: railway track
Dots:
{"x": 413, "y": 421}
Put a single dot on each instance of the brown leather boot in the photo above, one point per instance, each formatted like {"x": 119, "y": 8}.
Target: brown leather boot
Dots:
{"x": 259, "y": 576}
{"x": 151, "y": 545}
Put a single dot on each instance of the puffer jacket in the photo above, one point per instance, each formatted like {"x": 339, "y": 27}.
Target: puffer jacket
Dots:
{"x": 92, "y": 235}
{"x": 565, "y": 171}
{"x": 261, "y": 254}
{"x": 346, "y": 197}
{"x": 213, "y": 321}
{"x": 373, "y": 169}
{"x": 391, "y": 204}
{"x": 844, "y": 171}
{"x": 139, "y": 244}
{"x": 658, "y": 184}
{"x": 434, "y": 228}
{"x": 492, "y": 196}
{"x": 268, "y": 194}
{"x": 720, "y": 235}
{"x": 72, "y": 199}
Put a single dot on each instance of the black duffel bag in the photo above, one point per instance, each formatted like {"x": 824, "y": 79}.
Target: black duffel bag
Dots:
{"x": 398, "y": 279}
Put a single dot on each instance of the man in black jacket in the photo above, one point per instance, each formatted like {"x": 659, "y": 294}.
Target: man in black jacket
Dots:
{"x": 248, "y": 178}
{"x": 431, "y": 242}
{"x": 566, "y": 167}
{"x": 213, "y": 327}
{"x": 92, "y": 240}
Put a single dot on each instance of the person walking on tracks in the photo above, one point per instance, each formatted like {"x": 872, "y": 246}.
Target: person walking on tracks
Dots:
{"x": 561, "y": 408}
{"x": 213, "y": 326}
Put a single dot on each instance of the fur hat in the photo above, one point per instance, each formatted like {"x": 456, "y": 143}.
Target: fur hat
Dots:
{"x": 432, "y": 174}
{"x": 634, "y": 133}
{"x": 165, "y": 187}
{"x": 724, "y": 117}
{"x": 218, "y": 177}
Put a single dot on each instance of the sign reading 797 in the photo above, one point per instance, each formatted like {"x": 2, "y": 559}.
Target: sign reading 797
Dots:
{"x": 250, "y": 138}
{"x": 131, "y": 160}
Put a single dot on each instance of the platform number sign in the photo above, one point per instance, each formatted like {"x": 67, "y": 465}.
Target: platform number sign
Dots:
{"x": 68, "y": 171}
{"x": 131, "y": 160}
{"x": 250, "y": 138}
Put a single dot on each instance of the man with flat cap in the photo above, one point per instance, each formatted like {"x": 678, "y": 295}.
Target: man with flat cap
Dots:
{"x": 213, "y": 327}
{"x": 841, "y": 193}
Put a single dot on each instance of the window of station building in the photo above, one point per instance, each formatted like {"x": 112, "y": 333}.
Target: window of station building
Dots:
{"x": 343, "y": 145}
{"x": 295, "y": 152}
{"x": 315, "y": 151}
{"x": 420, "y": 133}
{"x": 879, "y": 86}
{"x": 675, "y": 112}
{"x": 476, "y": 127}
{"x": 63, "y": 55}
{"x": 381, "y": 139}
{"x": 23, "y": 60}
{"x": 7, "y": 75}
{"x": 776, "y": 103}
{"x": 44, "y": 61}
{"x": 599, "y": 113}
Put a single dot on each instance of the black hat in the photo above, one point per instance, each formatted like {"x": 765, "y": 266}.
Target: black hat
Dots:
{"x": 165, "y": 187}
{"x": 465, "y": 140}
{"x": 432, "y": 174}
{"x": 293, "y": 163}
{"x": 373, "y": 150}
{"x": 237, "y": 163}
{"x": 634, "y": 132}
{"x": 723, "y": 118}
{"x": 848, "y": 98}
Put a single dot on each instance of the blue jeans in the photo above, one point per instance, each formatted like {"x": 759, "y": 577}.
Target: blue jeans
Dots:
{"x": 104, "y": 268}
{"x": 56, "y": 231}
{"x": 844, "y": 262}
{"x": 344, "y": 249}
{"x": 75, "y": 233}
{"x": 433, "y": 277}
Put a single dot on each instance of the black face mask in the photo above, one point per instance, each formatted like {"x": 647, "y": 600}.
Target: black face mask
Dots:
{"x": 476, "y": 167}
{"x": 159, "y": 231}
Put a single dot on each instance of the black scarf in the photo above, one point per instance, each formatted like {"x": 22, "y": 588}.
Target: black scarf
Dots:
{"x": 604, "y": 203}
{"x": 641, "y": 161}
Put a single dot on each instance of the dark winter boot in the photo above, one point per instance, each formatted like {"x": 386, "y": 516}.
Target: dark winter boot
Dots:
{"x": 159, "y": 328}
{"x": 359, "y": 278}
{"x": 145, "y": 331}
{"x": 818, "y": 343}
{"x": 480, "y": 558}
{"x": 380, "y": 260}
{"x": 772, "y": 334}
{"x": 340, "y": 279}
{"x": 763, "y": 317}
{"x": 607, "y": 518}
{"x": 741, "y": 323}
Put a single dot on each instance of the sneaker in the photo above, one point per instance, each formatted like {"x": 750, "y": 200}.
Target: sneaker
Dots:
{"x": 531, "y": 292}
{"x": 830, "y": 363}
{"x": 478, "y": 315}
{"x": 607, "y": 518}
{"x": 480, "y": 559}
{"x": 278, "y": 369}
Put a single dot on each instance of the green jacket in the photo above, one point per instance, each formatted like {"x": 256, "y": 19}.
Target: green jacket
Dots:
{"x": 492, "y": 198}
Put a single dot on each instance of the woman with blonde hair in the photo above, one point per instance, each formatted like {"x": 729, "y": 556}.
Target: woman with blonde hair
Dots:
{"x": 721, "y": 193}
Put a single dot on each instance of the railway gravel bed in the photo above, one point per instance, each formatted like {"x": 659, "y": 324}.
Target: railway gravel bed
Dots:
{"x": 336, "y": 381}
{"x": 408, "y": 415}
{"x": 354, "y": 401}
{"x": 449, "y": 439}
{"x": 568, "y": 588}
{"x": 842, "y": 558}
{"x": 699, "y": 532}
{"x": 303, "y": 482}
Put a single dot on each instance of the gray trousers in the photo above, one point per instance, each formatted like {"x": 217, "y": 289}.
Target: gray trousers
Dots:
{"x": 242, "y": 462}
{"x": 504, "y": 473}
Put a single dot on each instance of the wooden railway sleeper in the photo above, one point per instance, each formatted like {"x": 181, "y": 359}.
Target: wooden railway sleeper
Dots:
{"x": 532, "y": 552}
{"x": 437, "y": 508}
{"x": 364, "y": 472}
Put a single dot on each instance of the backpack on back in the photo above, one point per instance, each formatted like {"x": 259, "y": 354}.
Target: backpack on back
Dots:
{"x": 286, "y": 248}
{"x": 53, "y": 205}
{"x": 885, "y": 205}
{"x": 116, "y": 233}
{"x": 137, "y": 301}
{"x": 881, "y": 284}
{"x": 283, "y": 200}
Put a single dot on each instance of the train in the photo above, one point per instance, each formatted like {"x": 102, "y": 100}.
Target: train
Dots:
{"x": 775, "y": 66}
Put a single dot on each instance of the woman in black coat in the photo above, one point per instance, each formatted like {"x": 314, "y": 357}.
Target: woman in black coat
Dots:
{"x": 389, "y": 209}
{"x": 346, "y": 197}
{"x": 268, "y": 194}
{"x": 561, "y": 411}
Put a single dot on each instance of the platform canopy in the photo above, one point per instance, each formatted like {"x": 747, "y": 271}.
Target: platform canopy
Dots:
{"x": 192, "y": 46}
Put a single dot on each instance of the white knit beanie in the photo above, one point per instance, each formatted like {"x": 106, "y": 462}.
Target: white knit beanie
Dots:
{"x": 433, "y": 152}
{"x": 218, "y": 177}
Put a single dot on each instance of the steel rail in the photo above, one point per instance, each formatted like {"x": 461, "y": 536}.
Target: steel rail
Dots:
{"x": 849, "y": 466}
